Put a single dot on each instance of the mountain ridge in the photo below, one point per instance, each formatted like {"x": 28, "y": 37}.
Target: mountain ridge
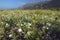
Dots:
{"x": 42, "y": 5}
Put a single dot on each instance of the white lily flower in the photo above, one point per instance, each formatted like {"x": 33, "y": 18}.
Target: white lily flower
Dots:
{"x": 42, "y": 17}
{"x": 21, "y": 24}
{"x": 28, "y": 27}
{"x": 43, "y": 26}
{"x": 49, "y": 24}
{"x": 20, "y": 30}
{"x": 17, "y": 24}
{"x": 47, "y": 28}
{"x": 28, "y": 32}
{"x": 45, "y": 16}
{"x": 7, "y": 24}
{"x": 10, "y": 35}
{"x": 2, "y": 22}
{"x": 29, "y": 24}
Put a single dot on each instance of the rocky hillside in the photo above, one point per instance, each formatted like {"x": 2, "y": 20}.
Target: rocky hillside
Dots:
{"x": 42, "y": 5}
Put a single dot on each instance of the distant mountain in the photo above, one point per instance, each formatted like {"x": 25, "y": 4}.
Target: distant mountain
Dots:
{"x": 42, "y": 5}
{"x": 55, "y": 3}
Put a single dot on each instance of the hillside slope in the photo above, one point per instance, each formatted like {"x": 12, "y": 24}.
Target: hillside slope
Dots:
{"x": 42, "y": 5}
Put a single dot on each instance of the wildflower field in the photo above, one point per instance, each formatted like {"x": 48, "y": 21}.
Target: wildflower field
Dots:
{"x": 29, "y": 25}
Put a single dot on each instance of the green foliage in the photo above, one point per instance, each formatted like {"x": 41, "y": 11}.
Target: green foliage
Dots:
{"x": 27, "y": 24}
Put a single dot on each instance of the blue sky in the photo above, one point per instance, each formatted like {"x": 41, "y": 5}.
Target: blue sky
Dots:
{"x": 7, "y": 4}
